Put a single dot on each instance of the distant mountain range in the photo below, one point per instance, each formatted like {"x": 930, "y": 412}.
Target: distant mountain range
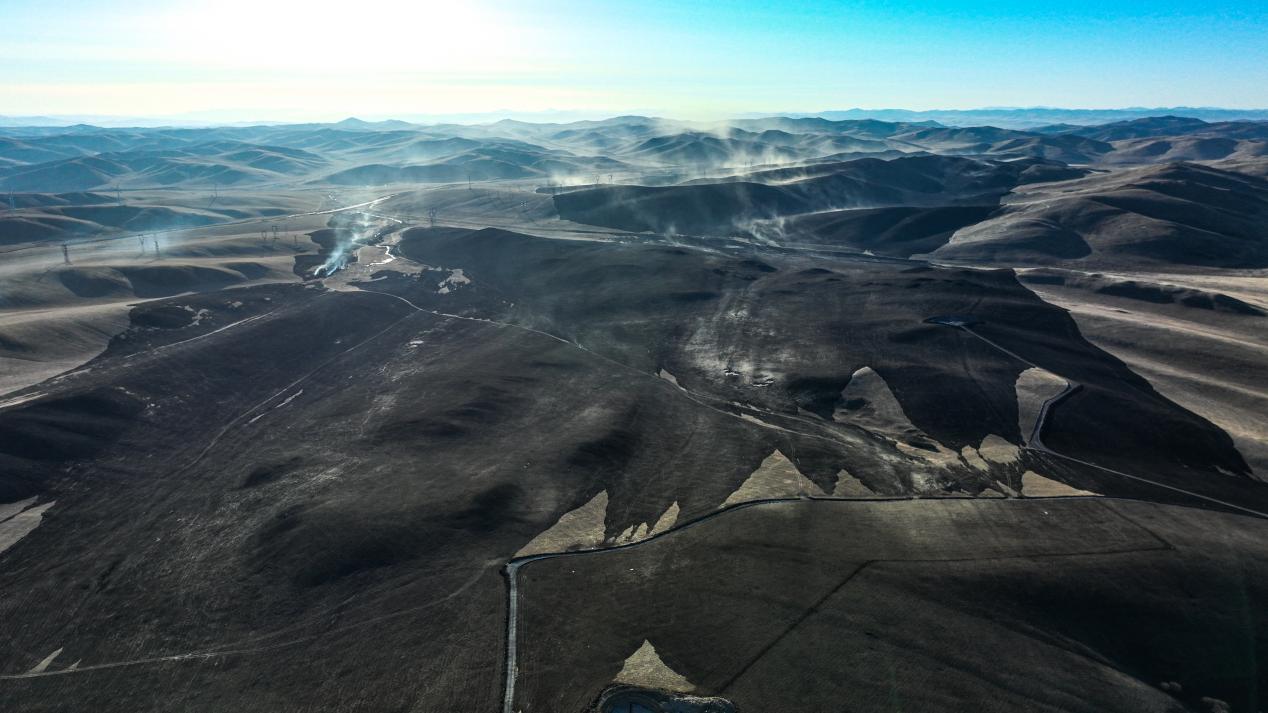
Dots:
{"x": 635, "y": 149}
{"x": 1004, "y": 117}
{"x": 1010, "y": 117}
{"x": 1155, "y": 190}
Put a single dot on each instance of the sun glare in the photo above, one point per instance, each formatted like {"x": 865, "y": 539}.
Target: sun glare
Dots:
{"x": 408, "y": 36}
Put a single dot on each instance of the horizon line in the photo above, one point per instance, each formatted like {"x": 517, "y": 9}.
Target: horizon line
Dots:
{"x": 192, "y": 119}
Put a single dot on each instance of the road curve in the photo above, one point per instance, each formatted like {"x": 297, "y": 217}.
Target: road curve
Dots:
{"x": 516, "y": 563}
{"x": 1036, "y": 444}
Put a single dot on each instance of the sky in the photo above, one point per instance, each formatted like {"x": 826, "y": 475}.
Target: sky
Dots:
{"x": 317, "y": 60}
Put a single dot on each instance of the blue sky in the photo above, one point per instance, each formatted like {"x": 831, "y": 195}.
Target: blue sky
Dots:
{"x": 313, "y": 59}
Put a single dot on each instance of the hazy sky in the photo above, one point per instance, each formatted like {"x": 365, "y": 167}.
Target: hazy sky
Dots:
{"x": 311, "y": 59}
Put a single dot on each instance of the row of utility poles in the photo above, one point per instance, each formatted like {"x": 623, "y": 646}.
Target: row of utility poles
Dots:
{"x": 269, "y": 234}
{"x": 118, "y": 198}
{"x": 142, "y": 242}
{"x": 277, "y": 231}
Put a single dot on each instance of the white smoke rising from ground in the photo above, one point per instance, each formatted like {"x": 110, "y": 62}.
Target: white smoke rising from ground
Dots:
{"x": 335, "y": 262}
{"x": 572, "y": 180}
{"x": 768, "y": 231}
{"x": 352, "y": 231}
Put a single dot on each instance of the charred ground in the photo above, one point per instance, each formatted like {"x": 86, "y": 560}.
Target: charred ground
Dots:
{"x": 289, "y": 473}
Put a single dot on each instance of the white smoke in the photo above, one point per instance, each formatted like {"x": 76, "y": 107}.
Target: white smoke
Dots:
{"x": 352, "y": 231}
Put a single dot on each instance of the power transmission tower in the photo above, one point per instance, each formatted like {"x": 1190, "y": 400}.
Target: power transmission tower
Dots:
{"x": 65, "y": 253}
{"x": 156, "y": 249}
{"x": 118, "y": 196}
{"x": 431, "y": 216}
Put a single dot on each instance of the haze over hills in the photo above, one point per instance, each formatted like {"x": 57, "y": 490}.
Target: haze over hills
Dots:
{"x": 356, "y": 153}
{"x": 781, "y": 413}
{"x": 1008, "y": 117}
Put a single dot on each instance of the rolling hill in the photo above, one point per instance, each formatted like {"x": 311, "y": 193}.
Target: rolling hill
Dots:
{"x": 723, "y": 208}
{"x": 1166, "y": 215}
